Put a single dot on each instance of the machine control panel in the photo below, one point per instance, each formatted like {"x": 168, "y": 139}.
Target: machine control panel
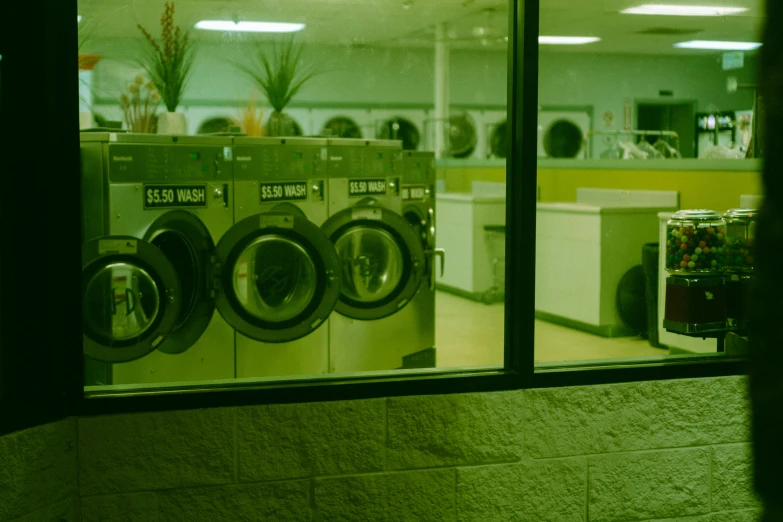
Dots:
{"x": 134, "y": 163}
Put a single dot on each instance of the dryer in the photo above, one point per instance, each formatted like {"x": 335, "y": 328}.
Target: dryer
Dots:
{"x": 154, "y": 209}
{"x": 341, "y": 119}
{"x": 287, "y": 274}
{"x": 562, "y": 133}
{"x": 382, "y": 126}
{"x": 382, "y": 258}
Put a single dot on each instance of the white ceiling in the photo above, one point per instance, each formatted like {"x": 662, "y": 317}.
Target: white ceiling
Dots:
{"x": 389, "y": 23}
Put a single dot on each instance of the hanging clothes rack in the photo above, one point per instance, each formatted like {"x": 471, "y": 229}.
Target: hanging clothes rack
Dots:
{"x": 669, "y": 134}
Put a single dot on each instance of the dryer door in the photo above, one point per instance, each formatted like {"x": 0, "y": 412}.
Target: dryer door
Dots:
{"x": 278, "y": 277}
{"x": 131, "y": 298}
{"x": 382, "y": 261}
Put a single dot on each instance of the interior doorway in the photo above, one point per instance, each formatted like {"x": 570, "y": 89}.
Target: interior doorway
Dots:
{"x": 669, "y": 116}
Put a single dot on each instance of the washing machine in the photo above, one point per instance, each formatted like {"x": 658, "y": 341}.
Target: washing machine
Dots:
{"x": 154, "y": 210}
{"x": 561, "y": 134}
{"x": 418, "y": 197}
{"x": 382, "y": 258}
{"x": 287, "y": 272}
{"x": 356, "y": 123}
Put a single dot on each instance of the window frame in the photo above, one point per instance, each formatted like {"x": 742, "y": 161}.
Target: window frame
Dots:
{"x": 62, "y": 393}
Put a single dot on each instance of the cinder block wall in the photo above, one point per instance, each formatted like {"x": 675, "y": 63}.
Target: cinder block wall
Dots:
{"x": 671, "y": 450}
{"x": 38, "y": 474}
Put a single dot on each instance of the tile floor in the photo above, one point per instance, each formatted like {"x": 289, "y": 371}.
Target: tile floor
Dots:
{"x": 471, "y": 334}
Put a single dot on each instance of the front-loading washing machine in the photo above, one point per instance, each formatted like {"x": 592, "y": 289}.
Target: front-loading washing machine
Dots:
{"x": 383, "y": 262}
{"x": 418, "y": 199}
{"x": 288, "y": 272}
{"x": 154, "y": 209}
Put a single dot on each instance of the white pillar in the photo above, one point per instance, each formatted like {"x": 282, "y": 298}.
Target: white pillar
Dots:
{"x": 441, "y": 88}
{"x": 85, "y": 99}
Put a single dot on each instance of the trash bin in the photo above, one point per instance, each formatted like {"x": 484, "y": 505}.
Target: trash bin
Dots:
{"x": 650, "y": 253}
{"x": 496, "y": 246}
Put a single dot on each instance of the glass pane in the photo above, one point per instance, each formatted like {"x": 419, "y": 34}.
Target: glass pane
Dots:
{"x": 648, "y": 142}
{"x": 296, "y": 215}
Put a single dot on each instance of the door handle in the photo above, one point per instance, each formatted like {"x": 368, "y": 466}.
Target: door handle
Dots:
{"x": 441, "y": 253}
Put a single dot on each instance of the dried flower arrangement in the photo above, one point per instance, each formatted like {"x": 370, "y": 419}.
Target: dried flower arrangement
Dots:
{"x": 279, "y": 75}
{"x": 251, "y": 118}
{"x": 168, "y": 64}
{"x": 139, "y": 105}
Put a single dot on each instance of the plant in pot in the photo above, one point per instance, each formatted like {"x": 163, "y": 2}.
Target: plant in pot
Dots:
{"x": 139, "y": 104}
{"x": 168, "y": 65}
{"x": 279, "y": 73}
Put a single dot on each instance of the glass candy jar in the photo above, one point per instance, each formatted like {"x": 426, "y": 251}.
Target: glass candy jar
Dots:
{"x": 695, "y": 242}
{"x": 740, "y": 262}
{"x": 696, "y": 288}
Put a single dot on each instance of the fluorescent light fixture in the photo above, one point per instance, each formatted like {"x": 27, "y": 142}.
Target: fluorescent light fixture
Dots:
{"x": 567, "y": 40}
{"x": 78, "y": 19}
{"x": 683, "y": 10}
{"x": 249, "y": 27}
{"x": 719, "y": 46}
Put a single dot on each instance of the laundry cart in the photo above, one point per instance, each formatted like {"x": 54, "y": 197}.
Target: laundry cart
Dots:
{"x": 496, "y": 246}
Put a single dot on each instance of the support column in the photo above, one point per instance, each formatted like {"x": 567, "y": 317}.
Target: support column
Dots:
{"x": 441, "y": 88}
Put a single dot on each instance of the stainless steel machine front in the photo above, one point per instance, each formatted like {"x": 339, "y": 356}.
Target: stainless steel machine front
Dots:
{"x": 383, "y": 259}
{"x": 154, "y": 209}
{"x": 288, "y": 271}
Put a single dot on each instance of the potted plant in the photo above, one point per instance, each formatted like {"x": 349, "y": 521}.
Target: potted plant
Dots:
{"x": 251, "y": 118}
{"x": 139, "y": 104}
{"x": 280, "y": 75}
{"x": 168, "y": 65}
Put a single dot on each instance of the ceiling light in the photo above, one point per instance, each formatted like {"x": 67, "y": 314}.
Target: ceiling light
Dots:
{"x": 567, "y": 40}
{"x": 720, "y": 46}
{"x": 683, "y": 10}
{"x": 249, "y": 27}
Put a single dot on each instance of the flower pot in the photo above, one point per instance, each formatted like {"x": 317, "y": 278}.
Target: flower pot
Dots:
{"x": 85, "y": 120}
{"x": 172, "y": 123}
{"x": 279, "y": 124}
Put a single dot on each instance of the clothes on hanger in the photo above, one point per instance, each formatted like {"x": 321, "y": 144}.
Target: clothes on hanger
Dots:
{"x": 667, "y": 150}
{"x": 652, "y": 152}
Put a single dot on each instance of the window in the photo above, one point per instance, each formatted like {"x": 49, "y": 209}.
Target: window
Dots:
{"x": 648, "y": 181}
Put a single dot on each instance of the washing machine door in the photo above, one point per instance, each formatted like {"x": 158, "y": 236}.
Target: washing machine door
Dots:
{"x": 278, "y": 277}
{"x": 130, "y": 298}
{"x": 382, "y": 261}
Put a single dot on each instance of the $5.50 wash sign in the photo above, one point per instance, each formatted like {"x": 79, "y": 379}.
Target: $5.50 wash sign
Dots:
{"x": 163, "y": 196}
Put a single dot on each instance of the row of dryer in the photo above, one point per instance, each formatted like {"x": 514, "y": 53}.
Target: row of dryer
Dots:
{"x": 226, "y": 257}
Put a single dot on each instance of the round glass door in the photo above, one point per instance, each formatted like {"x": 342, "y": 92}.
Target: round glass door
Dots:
{"x": 130, "y": 295}
{"x": 280, "y": 277}
{"x": 373, "y": 264}
{"x": 381, "y": 257}
{"x": 275, "y": 279}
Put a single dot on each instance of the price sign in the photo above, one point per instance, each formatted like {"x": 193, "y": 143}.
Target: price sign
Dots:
{"x": 414, "y": 192}
{"x": 291, "y": 191}
{"x": 168, "y": 196}
{"x": 365, "y": 187}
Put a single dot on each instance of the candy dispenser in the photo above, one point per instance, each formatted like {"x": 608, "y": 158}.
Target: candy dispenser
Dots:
{"x": 695, "y": 258}
{"x": 740, "y": 247}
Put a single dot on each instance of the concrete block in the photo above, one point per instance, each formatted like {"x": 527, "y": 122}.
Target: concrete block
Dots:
{"x": 535, "y": 491}
{"x": 246, "y": 502}
{"x": 65, "y": 511}
{"x": 448, "y": 430}
{"x": 649, "y": 485}
{"x": 301, "y": 440}
{"x": 635, "y": 416}
{"x": 413, "y": 495}
{"x": 37, "y": 468}
{"x": 124, "y": 453}
{"x": 732, "y": 478}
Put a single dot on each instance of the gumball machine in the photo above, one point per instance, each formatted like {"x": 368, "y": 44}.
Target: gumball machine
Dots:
{"x": 740, "y": 248}
{"x": 696, "y": 287}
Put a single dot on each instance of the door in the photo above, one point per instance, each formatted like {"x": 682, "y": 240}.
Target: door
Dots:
{"x": 381, "y": 257}
{"x": 277, "y": 277}
{"x": 131, "y": 298}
